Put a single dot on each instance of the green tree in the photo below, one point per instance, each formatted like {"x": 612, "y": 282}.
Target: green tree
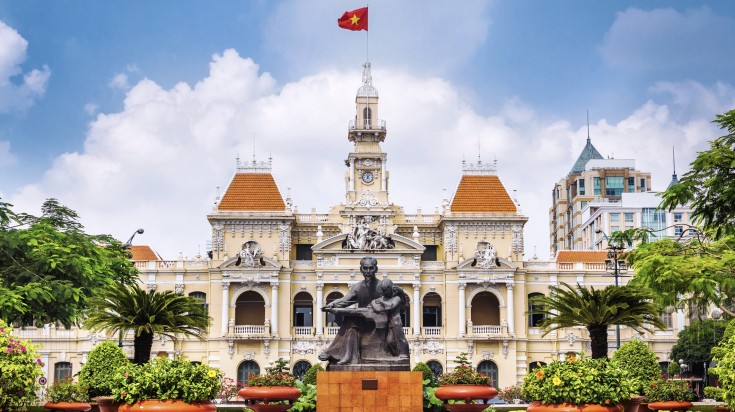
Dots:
{"x": 639, "y": 361}
{"x": 49, "y": 265}
{"x": 130, "y": 308}
{"x": 696, "y": 341}
{"x": 99, "y": 372}
{"x": 709, "y": 187}
{"x": 597, "y": 309}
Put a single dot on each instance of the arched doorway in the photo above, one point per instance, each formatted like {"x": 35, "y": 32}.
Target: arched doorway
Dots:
{"x": 436, "y": 367}
{"x": 485, "y": 310}
{"x": 489, "y": 369}
{"x": 245, "y": 369}
{"x": 333, "y": 320}
{"x": 535, "y": 365}
{"x": 250, "y": 309}
{"x": 300, "y": 368}
{"x": 432, "y": 311}
{"x": 303, "y": 313}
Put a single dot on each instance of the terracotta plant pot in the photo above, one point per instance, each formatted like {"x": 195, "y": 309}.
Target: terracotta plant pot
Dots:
{"x": 259, "y": 398}
{"x": 155, "y": 405}
{"x": 568, "y": 407}
{"x": 68, "y": 406}
{"x": 106, "y": 404}
{"x": 633, "y": 404}
{"x": 466, "y": 393}
{"x": 670, "y": 406}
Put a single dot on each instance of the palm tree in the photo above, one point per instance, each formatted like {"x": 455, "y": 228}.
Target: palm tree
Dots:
{"x": 125, "y": 308}
{"x": 597, "y": 309}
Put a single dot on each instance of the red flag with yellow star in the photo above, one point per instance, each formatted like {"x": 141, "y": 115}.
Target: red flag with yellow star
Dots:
{"x": 354, "y": 20}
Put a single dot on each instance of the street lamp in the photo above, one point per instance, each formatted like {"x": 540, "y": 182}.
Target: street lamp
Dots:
{"x": 613, "y": 263}
{"x": 130, "y": 241}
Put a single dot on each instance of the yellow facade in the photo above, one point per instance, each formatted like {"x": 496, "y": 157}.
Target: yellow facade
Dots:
{"x": 272, "y": 269}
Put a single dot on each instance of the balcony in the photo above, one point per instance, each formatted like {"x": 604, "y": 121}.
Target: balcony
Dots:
{"x": 368, "y": 124}
{"x": 250, "y": 331}
{"x": 303, "y": 331}
{"x": 487, "y": 330}
{"x": 432, "y": 331}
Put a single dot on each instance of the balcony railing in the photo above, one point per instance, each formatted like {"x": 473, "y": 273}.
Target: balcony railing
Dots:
{"x": 368, "y": 124}
{"x": 332, "y": 330}
{"x": 250, "y": 330}
{"x": 487, "y": 330}
{"x": 303, "y": 331}
{"x": 432, "y": 331}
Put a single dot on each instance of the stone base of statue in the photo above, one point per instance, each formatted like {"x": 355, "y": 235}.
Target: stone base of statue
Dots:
{"x": 369, "y": 391}
{"x": 382, "y": 364}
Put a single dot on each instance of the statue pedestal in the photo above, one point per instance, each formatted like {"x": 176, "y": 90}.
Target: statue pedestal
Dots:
{"x": 341, "y": 391}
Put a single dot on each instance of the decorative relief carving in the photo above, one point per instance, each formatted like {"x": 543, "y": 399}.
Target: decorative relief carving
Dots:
{"x": 505, "y": 348}
{"x": 487, "y": 355}
{"x": 231, "y": 347}
{"x": 408, "y": 261}
{"x": 218, "y": 240}
{"x": 432, "y": 347}
{"x": 571, "y": 338}
{"x": 179, "y": 288}
{"x": 151, "y": 287}
{"x": 486, "y": 256}
{"x": 284, "y": 239}
{"x": 517, "y": 239}
{"x": 365, "y": 238}
{"x": 450, "y": 242}
{"x": 326, "y": 260}
{"x": 250, "y": 255}
{"x": 368, "y": 200}
{"x": 303, "y": 348}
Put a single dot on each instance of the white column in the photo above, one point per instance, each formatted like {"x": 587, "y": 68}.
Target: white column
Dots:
{"x": 416, "y": 308}
{"x": 462, "y": 310}
{"x": 383, "y": 173}
{"x": 353, "y": 175}
{"x": 679, "y": 320}
{"x": 225, "y": 307}
{"x": 510, "y": 306}
{"x": 274, "y": 308}
{"x": 319, "y": 321}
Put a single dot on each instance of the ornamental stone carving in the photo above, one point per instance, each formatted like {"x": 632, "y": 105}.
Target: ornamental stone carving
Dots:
{"x": 303, "y": 348}
{"x": 450, "y": 241}
{"x": 365, "y": 238}
{"x": 250, "y": 255}
{"x": 218, "y": 241}
{"x": 432, "y": 347}
{"x": 486, "y": 256}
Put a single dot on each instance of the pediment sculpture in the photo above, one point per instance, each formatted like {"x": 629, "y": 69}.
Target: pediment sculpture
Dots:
{"x": 486, "y": 256}
{"x": 250, "y": 255}
{"x": 365, "y": 238}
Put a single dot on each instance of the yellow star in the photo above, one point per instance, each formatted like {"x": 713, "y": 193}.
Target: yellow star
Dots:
{"x": 354, "y": 19}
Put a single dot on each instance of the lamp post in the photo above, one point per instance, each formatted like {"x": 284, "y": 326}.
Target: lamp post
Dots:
{"x": 612, "y": 263}
{"x": 127, "y": 245}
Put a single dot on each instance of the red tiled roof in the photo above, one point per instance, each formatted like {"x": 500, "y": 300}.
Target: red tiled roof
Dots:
{"x": 143, "y": 253}
{"x": 585, "y": 256}
{"x": 252, "y": 191}
{"x": 482, "y": 194}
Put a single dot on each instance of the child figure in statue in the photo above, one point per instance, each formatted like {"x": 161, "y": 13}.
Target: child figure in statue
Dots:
{"x": 393, "y": 302}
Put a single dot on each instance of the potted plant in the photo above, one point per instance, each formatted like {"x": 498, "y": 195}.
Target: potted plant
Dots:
{"x": 67, "y": 395}
{"x": 98, "y": 373}
{"x": 20, "y": 368}
{"x": 670, "y": 395}
{"x": 512, "y": 394}
{"x": 162, "y": 384}
{"x": 228, "y": 390}
{"x": 639, "y": 362}
{"x": 576, "y": 384}
{"x": 277, "y": 385}
{"x": 430, "y": 385}
{"x": 466, "y": 385}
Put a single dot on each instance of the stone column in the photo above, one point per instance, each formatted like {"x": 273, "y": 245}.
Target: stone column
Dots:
{"x": 318, "y": 308}
{"x": 383, "y": 183}
{"x": 462, "y": 309}
{"x": 225, "y": 307}
{"x": 353, "y": 175}
{"x": 416, "y": 308}
{"x": 274, "y": 308}
{"x": 510, "y": 306}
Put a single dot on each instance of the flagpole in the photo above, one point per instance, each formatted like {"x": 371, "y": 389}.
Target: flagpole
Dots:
{"x": 367, "y": 36}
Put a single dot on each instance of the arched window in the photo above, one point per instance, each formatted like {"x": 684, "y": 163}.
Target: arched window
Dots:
{"x": 303, "y": 309}
{"x": 485, "y": 309}
{"x": 367, "y": 115}
{"x": 432, "y": 310}
{"x": 250, "y": 309}
{"x": 246, "y": 369}
{"x": 62, "y": 370}
{"x": 201, "y": 296}
{"x": 300, "y": 368}
{"x": 332, "y": 319}
{"x": 534, "y": 319}
{"x": 535, "y": 365}
{"x": 490, "y": 369}
{"x": 435, "y": 367}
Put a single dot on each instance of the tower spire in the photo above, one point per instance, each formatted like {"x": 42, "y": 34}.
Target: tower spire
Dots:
{"x": 674, "y": 177}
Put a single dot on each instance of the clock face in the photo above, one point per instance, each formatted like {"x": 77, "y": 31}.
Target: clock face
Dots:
{"x": 367, "y": 177}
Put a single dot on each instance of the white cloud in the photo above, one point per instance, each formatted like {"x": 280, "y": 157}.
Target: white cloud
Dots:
{"x": 18, "y": 94}
{"x": 6, "y": 157}
{"x": 91, "y": 108}
{"x": 667, "y": 39}
{"x": 120, "y": 82}
{"x": 156, "y": 164}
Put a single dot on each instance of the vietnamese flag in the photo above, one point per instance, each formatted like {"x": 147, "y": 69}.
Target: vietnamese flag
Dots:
{"x": 354, "y": 20}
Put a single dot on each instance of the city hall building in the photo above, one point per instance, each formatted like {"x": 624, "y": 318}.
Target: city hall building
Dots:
{"x": 272, "y": 269}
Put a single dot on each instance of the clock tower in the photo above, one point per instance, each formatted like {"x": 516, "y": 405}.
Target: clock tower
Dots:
{"x": 367, "y": 177}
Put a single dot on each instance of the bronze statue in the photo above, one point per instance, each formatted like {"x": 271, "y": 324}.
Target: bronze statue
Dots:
{"x": 371, "y": 336}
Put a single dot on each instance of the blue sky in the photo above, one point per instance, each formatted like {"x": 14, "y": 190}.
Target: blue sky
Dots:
{"x": 132, "y": 112}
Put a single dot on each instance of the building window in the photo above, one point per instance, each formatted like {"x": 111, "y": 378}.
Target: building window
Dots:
{"x": 534, "y": 319}
{"x": 432, "y": 310}
{"x": 405, "y": 315}
{"x": 631, "y": 184}
{"x": 202, "y": 297}
{"x": 535, "y": 365}
{"x": 62, "y": 371}
{"x": 583, "y": 205}
{"x": 303, "y": 309}
{"x": 615, "y": 217}
{"x": 303, "y": 252}
{"x": 653, "y": 218}
{"x": 429, "y": 254}
{"x": 667, "y": 319}
{"x": 300, "y": 368}
{"x": 678, "y": 230}
{"x": 614, "y": 229}
{"x": 367, "y": 115}
{"x": 581, "y": 186}
{"x": 246, "y": 369}
{"x": 643, "y": 184}
{"x": 614, "y": 186}
{"x": 678, "y": 217}
{"x": 435, "y": 367}
{"x": 489, "y": 369}
{"x": 596, "y": 186}
{"x": 628, "y": 218}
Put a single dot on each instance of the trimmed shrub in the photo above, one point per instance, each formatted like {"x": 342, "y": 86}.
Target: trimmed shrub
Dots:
{"x": 99, "y": 371}
{"x": 310, "y": 375}
{"x": 425, "y": 370}
{"x": 639, "y": 362}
